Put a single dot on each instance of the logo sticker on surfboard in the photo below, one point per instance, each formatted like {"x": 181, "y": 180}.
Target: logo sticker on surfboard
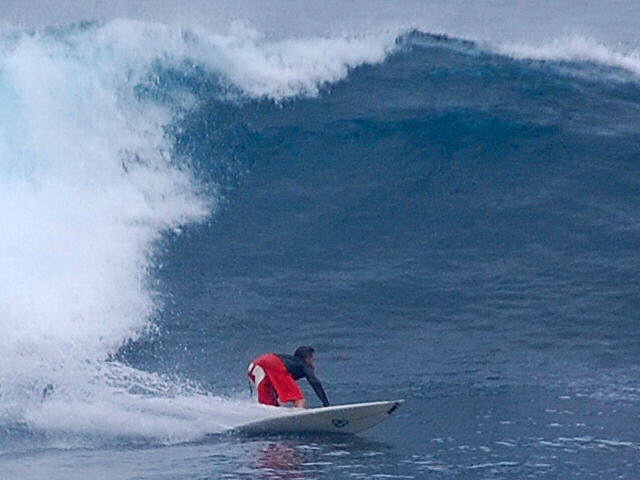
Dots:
{"x": 339, "y": 423}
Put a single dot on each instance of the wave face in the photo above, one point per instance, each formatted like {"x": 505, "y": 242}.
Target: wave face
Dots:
{"x": 447, "y": 185}
{"x": 367, "y": 182}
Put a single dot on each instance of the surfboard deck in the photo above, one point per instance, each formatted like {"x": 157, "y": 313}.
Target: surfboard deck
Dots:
{"x": 352, "y": 418}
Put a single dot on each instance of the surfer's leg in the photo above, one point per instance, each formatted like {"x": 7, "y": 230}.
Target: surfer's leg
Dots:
{"x": 286, "y": 387}
{"x": 266, "y": 392}
{"x": 262, "y": 383}
{"x": 252, "y": 382}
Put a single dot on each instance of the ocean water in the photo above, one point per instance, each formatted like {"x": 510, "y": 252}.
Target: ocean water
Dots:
{"x": 447, "y": 216}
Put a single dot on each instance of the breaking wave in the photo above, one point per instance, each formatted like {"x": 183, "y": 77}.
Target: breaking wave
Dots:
{"x": 91, "y": 184}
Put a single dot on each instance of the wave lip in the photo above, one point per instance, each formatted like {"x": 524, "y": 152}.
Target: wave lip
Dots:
{"x": 277, "y": 69}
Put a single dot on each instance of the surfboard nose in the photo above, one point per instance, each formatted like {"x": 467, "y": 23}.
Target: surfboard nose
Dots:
{"x": 395, "y": 406}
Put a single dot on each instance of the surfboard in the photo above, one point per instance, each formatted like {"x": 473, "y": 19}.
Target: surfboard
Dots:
{"x": 352, "y": 418}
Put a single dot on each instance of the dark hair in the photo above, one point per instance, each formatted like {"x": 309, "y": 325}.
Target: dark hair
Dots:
{"x": 304, "y": 352}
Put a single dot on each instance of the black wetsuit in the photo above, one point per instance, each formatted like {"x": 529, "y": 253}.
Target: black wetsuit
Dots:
{"x": 298, "y": 369}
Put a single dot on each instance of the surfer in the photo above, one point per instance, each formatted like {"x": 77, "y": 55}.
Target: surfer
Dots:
{"x": 274, "y": 377}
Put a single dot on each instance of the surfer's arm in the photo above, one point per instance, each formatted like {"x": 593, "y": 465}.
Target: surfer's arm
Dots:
{"x": 317, "y": 387}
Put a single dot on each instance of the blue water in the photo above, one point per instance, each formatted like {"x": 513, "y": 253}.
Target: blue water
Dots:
{"x": 444, "y": 222}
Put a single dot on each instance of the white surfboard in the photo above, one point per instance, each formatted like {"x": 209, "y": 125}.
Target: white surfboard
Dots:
{"x": 352, "y": 418}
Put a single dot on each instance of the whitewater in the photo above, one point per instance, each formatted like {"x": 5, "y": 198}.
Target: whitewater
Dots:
{"x": 126, "y": 142}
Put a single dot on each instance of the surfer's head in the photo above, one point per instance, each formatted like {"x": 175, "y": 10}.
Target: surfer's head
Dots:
{"x": 305, "y": 353}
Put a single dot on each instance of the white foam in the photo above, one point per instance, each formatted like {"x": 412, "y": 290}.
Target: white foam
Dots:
{"x": 109, "y": 415}
{"x": 574, "y": 49}
{"x": 77, "y": 226}
{"x": 285, "y": 68}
